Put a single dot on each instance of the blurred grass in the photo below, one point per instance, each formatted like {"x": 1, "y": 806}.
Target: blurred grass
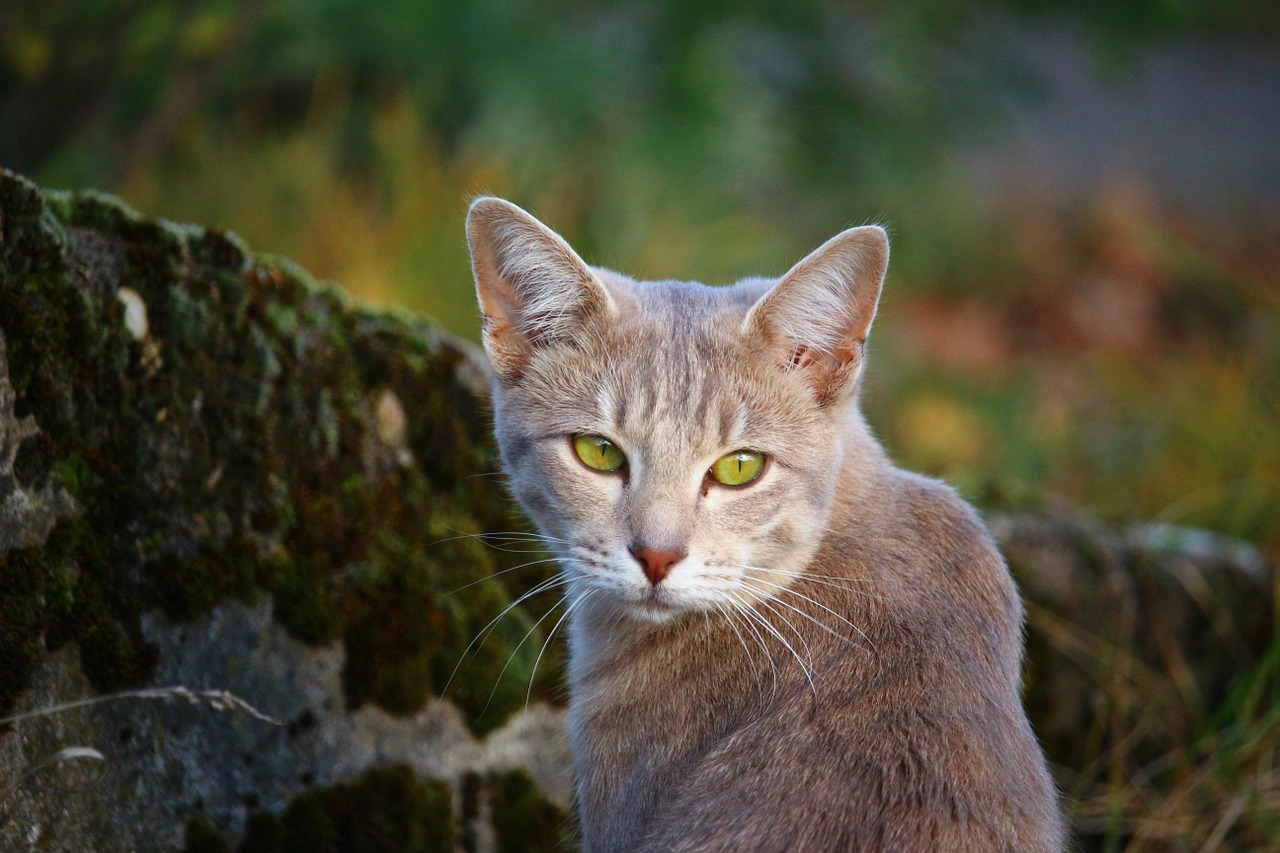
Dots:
{"x": 1218, "y": 789}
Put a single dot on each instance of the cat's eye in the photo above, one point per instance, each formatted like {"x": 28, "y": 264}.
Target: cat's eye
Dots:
{"x": 737, "y": 468}
{"x": 598, "y": 452}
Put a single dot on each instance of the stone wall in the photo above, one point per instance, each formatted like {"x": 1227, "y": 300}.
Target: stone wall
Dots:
{"x": 215, "y": 473}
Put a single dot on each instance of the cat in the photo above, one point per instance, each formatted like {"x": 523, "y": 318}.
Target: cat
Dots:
{"x": 778, "y": 641}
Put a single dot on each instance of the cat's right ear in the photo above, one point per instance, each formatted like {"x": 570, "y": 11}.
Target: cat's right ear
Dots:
{"x": 534, "y": 290}
{"x": 816, "y": 318}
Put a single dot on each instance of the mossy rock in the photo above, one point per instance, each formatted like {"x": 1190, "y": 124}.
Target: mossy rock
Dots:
{"x": 387, "y": 809}
{"x": 524, "y": 820}
{"x": 183, "y": 423}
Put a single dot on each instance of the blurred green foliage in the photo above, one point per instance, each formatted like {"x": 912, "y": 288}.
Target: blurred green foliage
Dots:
{"x": 818, "y": 85}
{"x": 621, "y": 111}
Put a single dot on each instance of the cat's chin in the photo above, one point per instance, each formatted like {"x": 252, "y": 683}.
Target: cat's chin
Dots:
{"x": 653, "y": 611}
{"x": 647, "y": 610}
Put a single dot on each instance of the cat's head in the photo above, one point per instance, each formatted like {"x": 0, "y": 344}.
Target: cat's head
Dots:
{"x": 678, "y": 444}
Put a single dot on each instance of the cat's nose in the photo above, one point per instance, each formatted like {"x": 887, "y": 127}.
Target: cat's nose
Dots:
{"x": 656, "y": 564}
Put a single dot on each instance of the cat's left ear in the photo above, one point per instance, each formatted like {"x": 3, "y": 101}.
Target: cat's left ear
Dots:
{"x": 816, "y": 318}
{"x": 534, "y": 290}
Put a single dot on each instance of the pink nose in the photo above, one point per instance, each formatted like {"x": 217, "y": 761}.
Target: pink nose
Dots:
{"x": 656, "y": 564}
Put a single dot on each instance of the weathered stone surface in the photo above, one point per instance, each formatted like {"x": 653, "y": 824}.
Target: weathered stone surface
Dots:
{"x": 216, "y": 473}
{"x": 168, "y": 760}
{"x": 27, "y": 512}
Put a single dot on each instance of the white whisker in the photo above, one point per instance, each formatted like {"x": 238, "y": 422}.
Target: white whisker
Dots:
{"x": 767, "y": 602}
{"x": 549, "y": 583}
{"x": 728, "y": 617}
{"x": 790, "y": 588}
{"x": 501, "y": 535}
{"x": 750, "y": 613}
{"x": 516, "y": 651}
{"x": 832, "y": 581}
{"x": 786, "y": 588}
{"x": 502, "y": 572}
{"x": 841, "y": 637}
{"x": 550, "y": 636}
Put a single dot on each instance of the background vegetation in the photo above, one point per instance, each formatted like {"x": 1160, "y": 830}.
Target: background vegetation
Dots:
{"x": 1107, "y": 350}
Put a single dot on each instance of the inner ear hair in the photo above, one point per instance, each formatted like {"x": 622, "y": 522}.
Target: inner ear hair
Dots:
{"x": 533, "y": 288}
{"x": 818, "y": 315}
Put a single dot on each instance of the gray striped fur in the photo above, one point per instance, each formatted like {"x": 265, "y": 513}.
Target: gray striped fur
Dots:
{"x": 835, "y": 663}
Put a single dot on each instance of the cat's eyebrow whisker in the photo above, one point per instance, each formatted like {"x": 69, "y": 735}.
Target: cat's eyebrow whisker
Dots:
{"x": 610, "y": 357}
{"x": 549, "y": 583}
{"x": 503, "y": 572}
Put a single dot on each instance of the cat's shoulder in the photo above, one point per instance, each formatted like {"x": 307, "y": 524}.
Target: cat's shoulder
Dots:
{"x": 932, "y": 511}
{"x": 944, "y": 551}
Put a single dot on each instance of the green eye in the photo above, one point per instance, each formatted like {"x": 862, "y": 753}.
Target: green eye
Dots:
{"x": 737, "y": 468}
{"x": 598, "y": 452}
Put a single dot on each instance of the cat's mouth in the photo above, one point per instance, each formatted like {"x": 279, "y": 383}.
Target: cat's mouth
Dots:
{"x": 655, "y": 606}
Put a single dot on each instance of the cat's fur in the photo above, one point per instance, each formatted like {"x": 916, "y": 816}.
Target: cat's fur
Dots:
{"x": 835, "y": 663}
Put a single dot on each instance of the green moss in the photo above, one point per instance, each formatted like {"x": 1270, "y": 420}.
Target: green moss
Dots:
{"x": 221, "y": 251}
{"x": 386, "y": 809}
{"x": 234, "y": 452}
{"x": 526, "y": 821}
{"x": 22, "y": 589}
{"x": 202, "y": 836}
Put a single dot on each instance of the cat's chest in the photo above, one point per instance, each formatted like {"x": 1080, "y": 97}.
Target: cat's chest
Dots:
{"x": 657, "y": 697}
